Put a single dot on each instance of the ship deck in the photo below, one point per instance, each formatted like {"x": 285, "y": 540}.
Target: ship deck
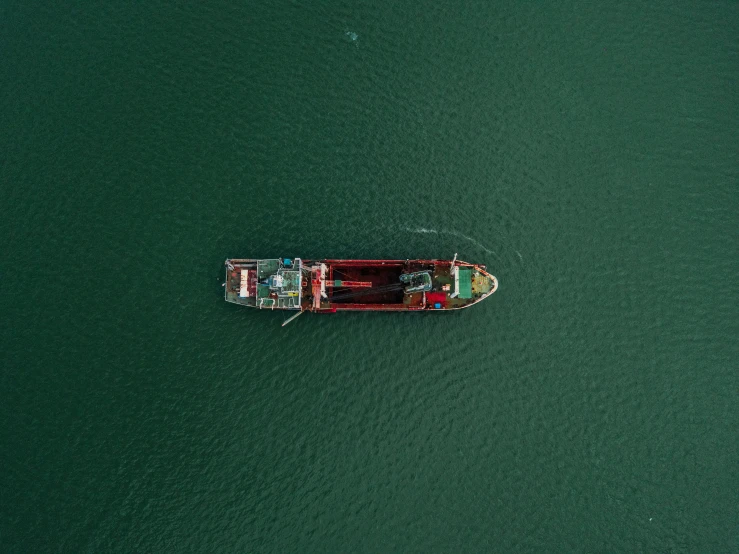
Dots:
{"x": 333, "y": 285}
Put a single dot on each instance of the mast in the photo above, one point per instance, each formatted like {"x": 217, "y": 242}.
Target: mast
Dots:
{"x": 455, "y": 275}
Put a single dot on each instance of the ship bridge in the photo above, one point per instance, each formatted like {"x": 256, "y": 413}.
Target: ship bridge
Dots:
{"x": 281, "y": 288}
{"x": 269, "y": 283}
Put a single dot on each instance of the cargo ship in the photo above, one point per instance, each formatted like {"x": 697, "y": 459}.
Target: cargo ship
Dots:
{"x": 330, "y": 286}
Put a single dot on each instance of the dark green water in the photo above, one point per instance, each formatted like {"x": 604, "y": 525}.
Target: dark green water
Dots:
{"x": 589, "y": 155}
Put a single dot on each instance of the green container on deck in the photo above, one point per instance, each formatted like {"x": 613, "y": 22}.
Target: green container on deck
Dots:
{"x": 465, "y": 283}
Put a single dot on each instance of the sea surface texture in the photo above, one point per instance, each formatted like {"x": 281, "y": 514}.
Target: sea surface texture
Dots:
{"x": 587, "y": 153}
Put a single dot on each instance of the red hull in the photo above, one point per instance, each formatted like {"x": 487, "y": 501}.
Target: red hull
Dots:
{"x": 332, "y": 285}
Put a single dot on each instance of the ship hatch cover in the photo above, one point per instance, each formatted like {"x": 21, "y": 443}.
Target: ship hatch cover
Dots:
{"x": 465, "y": 283}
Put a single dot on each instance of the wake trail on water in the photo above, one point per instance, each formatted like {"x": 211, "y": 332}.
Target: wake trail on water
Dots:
{"x": 423, "y": 230}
